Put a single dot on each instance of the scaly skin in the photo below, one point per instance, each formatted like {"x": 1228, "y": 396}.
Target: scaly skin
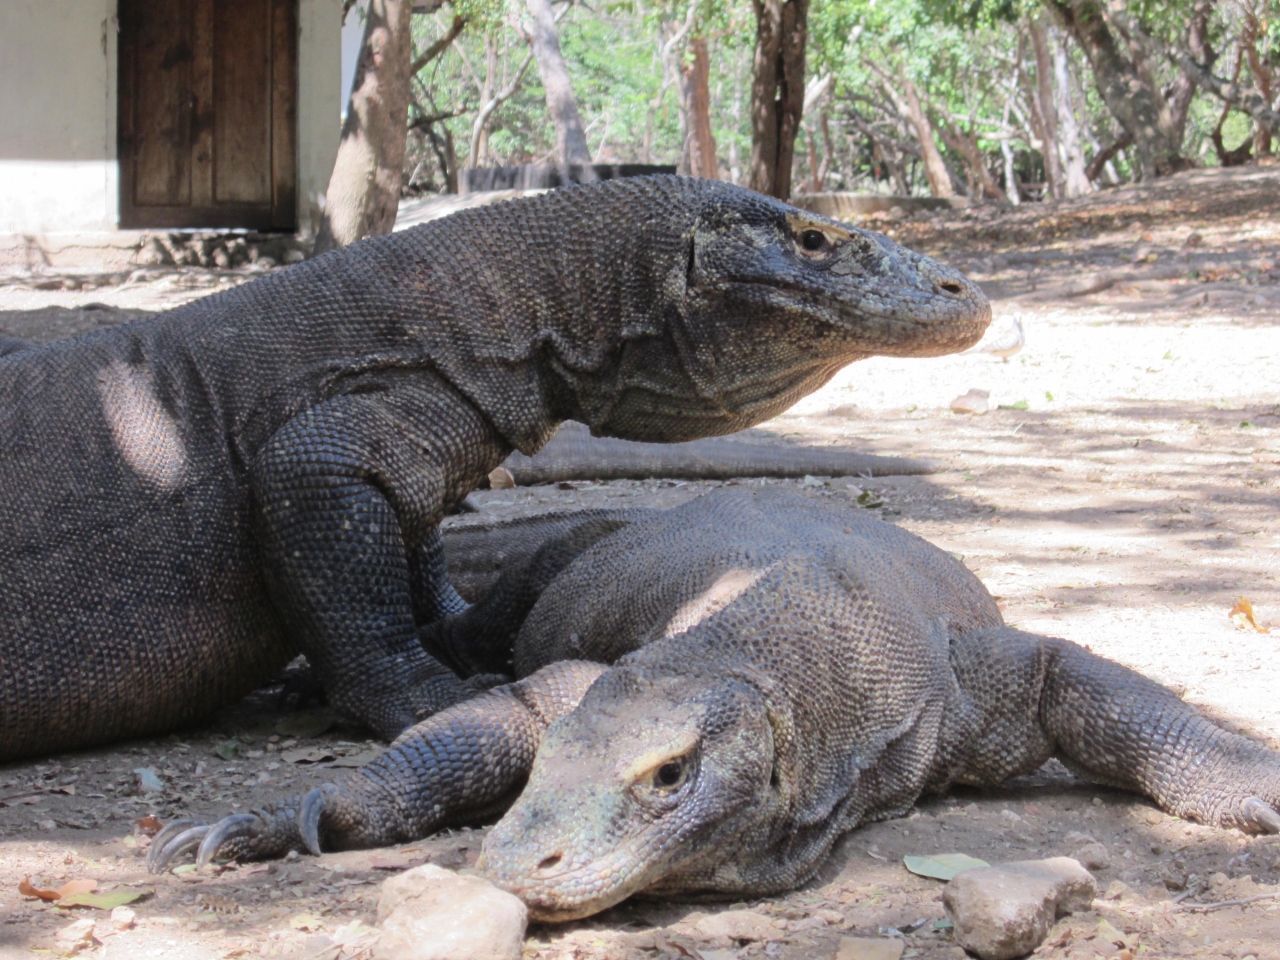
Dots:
{"x": 783, "y": 670}
{"x": 189, "y": 501}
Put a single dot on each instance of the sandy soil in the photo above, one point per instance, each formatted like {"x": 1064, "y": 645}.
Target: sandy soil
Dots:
{"x": 1125, "y": 500}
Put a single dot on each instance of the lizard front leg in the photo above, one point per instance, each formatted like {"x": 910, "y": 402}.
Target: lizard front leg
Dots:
{"x": 348, "y": 495}
{"x": 455, "y": 767}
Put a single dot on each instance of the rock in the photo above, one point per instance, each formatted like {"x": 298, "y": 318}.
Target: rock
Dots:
{"x": 865, "y": 948}
{"x": 432, "y": 914}
{"x": 1005, "y": 911}
{"x": 1093, "y": 856}
{"x": 154, "y": 254}
{"x": 75, "y": 936}
{"x": 123, "y": 918}
{"x": 741, "y": 925}
{"x": 975, "y": 401}
{"x": 500, "y": 478}
{"x": 294, "y": 256}
{"x": 1115, "y": 890}
{"x": 1173, "y": 874}
{"x": 47, "y": 826}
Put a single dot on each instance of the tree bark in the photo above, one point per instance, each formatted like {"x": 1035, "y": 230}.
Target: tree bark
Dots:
{"x": 1046, "y": 107}
{"x": 364, "y": 188}
{"x": 571, "y": 138}
{"x": 908, "y": 102}
{"x": 777, "y": 92}
{"x": 1133, "y": 101}
{"x": 1075, "y": 183}
{"x": 699, "y": 156}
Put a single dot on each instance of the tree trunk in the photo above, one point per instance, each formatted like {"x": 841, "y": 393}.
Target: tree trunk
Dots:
{"x": 699, "y": 157}
{"x": 1184, "y": 88}
{"x": 1046, "y": 107}
{"x": 571, "y": 139}
{"x": 1075, "y": 182}
{"x": 935, "y": 170}
{"x": 1133, "y": 101}
{"x": 364, "y": 188}
{"x": 777, "y": 92}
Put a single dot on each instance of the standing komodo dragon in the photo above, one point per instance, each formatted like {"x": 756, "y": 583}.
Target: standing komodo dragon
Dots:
{"x": 783, "y": 671}
{"x": 189, "y": 501}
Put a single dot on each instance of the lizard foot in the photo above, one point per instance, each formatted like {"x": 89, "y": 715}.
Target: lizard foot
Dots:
{"x": 242, "y": 836}
{"x": 1257, "y": 816}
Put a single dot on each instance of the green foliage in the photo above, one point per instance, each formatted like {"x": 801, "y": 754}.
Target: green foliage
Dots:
{"x": 971, "y": 61}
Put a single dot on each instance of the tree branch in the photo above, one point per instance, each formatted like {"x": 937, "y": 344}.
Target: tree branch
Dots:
{"x": 439, "y": 46}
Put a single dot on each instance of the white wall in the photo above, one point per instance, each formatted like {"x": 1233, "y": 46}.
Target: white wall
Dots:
{"x": 57, "y": 116}
{"x": 58, "y": 170}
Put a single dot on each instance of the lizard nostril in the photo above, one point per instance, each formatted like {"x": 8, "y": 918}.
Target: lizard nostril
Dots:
{"x": 950, "y": 287}
{"x": 550, "y": 861}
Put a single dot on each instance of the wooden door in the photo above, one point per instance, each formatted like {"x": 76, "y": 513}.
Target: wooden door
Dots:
{"x": 208, "y": 113}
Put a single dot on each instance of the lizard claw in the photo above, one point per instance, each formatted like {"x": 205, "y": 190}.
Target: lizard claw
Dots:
{"x": 177, "y": 837}
{"x": 309, "y": 817}
{"x": 1259, "y": 816}
{"x": 228, "y": 828}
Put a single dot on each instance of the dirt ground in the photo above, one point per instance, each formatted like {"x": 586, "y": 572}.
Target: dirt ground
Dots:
{"x": 1124, "y": 496}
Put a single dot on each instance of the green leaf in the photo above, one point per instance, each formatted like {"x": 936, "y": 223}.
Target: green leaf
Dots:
{"x": 869, "y": 500}
{"x": 229, "y": 749}
{"x": 942, "y": 866}
{"x": 104, "y": 901}
{"x": 1020, "y": 405}
{"x": 1048, "y": 395}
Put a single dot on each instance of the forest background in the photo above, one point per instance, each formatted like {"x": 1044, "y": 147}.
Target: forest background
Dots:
{"x": 1009, "y": 99}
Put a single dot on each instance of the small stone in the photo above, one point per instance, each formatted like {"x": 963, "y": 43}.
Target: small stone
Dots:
{"x": 868, "y": 948}
{"x": 1173, "y": 875}
{"x": 294, "y": 256}
{"x": 123, "y": 918}
{"x": 1005, "y": 911}
{"x": 500, "y": 478}
{"x": 1094, "y": 856}
{"x": 975, "y": 402}
{"x": 48, "y": 826}
{"x": 432, "y": 914}
{"x": 1010, "y": 816}
{"x": 1075, "y": 837}
{"x": 741, "y": 925}
{"x": 75, "y": 936}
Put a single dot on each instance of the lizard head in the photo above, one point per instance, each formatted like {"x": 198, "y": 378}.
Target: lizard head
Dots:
{"x": 765, "y": 304}
{"x": 646, "y": 778}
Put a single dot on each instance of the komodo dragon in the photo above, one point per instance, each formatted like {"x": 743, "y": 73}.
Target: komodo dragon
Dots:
{"x": 783, "y": 671}
{"x": 187, "y": 502}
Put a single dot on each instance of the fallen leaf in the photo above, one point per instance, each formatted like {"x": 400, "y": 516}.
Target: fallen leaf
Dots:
{"x": 148, "y": 780}
{"x": 306, "y": 723}
{"x": 305, "y": 921}
{"x": 1109, "y": 933}
{"x": 104, "y": 901}
{"x": 229, "y": 749}
{"x": 1019, "y": 405}
{"x": 869, "y": 500}
{"x": 1242, "y": 616}
{"x": 147, "y": 826}
{"x": 308, "y": 755}
{"x": 72, "y": 888}
{"x": 357, "y": 760}
{"x": 942, "y": 866}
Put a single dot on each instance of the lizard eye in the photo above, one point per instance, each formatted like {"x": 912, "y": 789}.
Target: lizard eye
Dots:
{"x": 670, "y": 775}
{"x": 813, "y": 240}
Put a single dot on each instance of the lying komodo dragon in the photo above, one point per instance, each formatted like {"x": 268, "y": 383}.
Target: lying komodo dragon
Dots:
{"x": 783, "y": 671}
{"x": 187, "y": 502}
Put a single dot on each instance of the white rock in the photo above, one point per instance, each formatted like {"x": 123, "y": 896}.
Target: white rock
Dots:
{"x": 731, "y": 925}
{"x": 975, "y": 401}
{"x": 432, "y": 914}
{"x": 123, "y": 918}
{"x": 1094, "y": 856}
{"x": 75, "y": 936}
{"x": 1005, "y": 911}
{"x": 500, "y": 478}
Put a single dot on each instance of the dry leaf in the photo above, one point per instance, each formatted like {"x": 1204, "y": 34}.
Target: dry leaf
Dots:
{"x": 147, "y": 826}
{"x": 942, "y": 866}
{"x": 1242, "y": 616}
{"x": 27, "y": 889}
